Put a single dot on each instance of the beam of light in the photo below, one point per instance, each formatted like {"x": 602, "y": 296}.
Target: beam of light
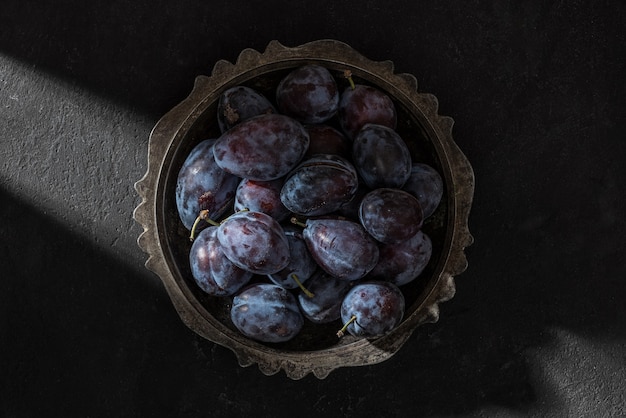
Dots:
{"x": 73, "y": 155}
{"x": 584, "y": 375}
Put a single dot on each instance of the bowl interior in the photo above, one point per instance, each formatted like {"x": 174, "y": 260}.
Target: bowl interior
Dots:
{"x": 201, "y": 124}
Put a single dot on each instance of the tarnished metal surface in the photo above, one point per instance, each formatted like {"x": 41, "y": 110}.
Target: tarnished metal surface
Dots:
{"x": 316, "y": 350}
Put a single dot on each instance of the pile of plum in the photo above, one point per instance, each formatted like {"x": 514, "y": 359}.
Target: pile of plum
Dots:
{"x": 307, "y": 208}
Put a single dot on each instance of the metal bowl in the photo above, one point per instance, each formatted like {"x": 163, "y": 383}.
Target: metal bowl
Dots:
{"x": 316, "y": 349}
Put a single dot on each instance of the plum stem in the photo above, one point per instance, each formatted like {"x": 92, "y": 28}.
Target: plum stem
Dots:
{"x": 342, "y": 331}
{"x": 348, "y": 74}
{"x": 202, "y": 216}
{"x": 295, "y": 221}
{"x": 306, "y": 291}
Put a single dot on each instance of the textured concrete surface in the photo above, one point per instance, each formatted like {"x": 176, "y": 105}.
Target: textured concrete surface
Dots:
{"x": 537, "y": 91}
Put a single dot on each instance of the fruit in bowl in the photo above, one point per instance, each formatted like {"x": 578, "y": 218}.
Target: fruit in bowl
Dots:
{"x": 320, "y": 177}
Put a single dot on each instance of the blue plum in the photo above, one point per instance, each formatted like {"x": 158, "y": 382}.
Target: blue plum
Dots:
{"x": 403, "y": 262}
{"x": 203, "y": 185}
{"x": 255, "y": 242}
{"x": 266, "y": 312}
{"x": 324, "y": 139}
{"x": 426, "y": 184}
{"x": 240, "y": 103}
{"x": 390, "y": 215}
{"x": 364, "y": 104}
{"x": 328, "y": 293}
{"x": 262, "y": 148}
{"x": 319, "y": 185}
{"x": 261, "y": 196}
{"x": 381, "y": 157}
{"x": 214, "y": 273}
{"x": 372, "y": 309}
{"x": 341, "y": 247}
{"x": 301, "y": 264}
{"x": 308, "y": 94}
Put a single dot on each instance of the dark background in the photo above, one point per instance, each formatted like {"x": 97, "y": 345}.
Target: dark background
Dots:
{"x": 537, "y": 91}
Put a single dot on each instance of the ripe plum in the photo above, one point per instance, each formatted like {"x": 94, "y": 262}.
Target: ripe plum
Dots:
{"x": 426, "y": 184}
{"x": 341, "y": 247}
{"x": 365, "y": 104}
{"x": 319, "y": 185}
{"x": 372, "y": 309}
{"x": 266, "y": 312}
{"x": 241, "y": 103}
{"x": 309, "y": 94}
{"x": 301, "y": 264}
{"x": 324, "y": 139}
{"x": 381, "y": 157}
{"x": 403, "y": 262}
{"x": 211, "y": 269}
{"x": 328, "y": 293}
{"x": 390, "y": 215}
{"x": 261, "y": 196}
{"x": 203, "y": 185}
{"x": 255, "y": 242}
{"x": 262, "y": 148}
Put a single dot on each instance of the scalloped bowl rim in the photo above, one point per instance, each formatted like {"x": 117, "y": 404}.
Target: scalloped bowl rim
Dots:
{"x": 173, "y": 126}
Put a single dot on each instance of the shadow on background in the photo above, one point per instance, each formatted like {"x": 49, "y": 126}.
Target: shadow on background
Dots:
{"x": 82, "y": 335}
{"x": 139, "y": 53}
{"x": 79, "y": 329}
{"x": 143, "y": 53}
